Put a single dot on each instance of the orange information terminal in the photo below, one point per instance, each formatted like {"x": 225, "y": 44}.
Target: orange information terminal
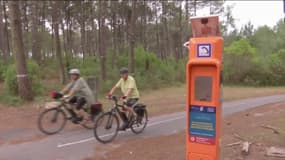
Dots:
{"x": 204, "y": 79}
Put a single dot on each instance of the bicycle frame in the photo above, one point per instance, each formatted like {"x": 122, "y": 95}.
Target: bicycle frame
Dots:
{"x": 62, "y": 105}
{"x": 115, "y": 109}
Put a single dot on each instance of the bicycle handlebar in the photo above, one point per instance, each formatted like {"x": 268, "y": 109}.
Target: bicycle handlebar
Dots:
{"x": 115, "y": 99}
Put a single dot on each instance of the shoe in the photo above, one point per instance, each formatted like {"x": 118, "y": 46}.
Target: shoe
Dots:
{"x": 76, "y": 120}
{"x": 124, "y": 126}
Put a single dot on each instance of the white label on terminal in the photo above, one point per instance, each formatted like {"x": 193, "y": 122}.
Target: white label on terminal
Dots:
{"x": 204, "y": 50}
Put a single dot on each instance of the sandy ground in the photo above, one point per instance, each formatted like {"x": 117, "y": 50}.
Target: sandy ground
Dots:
{"x": 246, "y": 124}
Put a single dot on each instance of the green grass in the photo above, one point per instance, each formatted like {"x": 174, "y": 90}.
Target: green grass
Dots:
{"x": 10, "y": 100}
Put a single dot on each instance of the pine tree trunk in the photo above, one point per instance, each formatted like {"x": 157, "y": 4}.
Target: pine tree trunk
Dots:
{"x": 3, "y": 38}
{"x": 24, "y": 84}
{"x": 42, "y": 25}
{"x": 94, "y": 39}
{"x": 187, "y": 11}
{"x": 82, "y": 36}
{"x": 144, "y": 42}
{"x": 166, "y": 43}
{"x": 52, "y": 40}
{"x": 158, "y": 45}
{"x": 36, "y": 42}
{"x": 180, "y": 49}
{"x": 102, "y": 47}
{"x": 68, "y": 33}
{"x": 115, "y": 45}
{"x": 132, "y": 38}
{"x": 66, "y": 53}
{"x": 58, "y": 52}
{"x": 6, "y": 43}
{"x": 55, "y": 24}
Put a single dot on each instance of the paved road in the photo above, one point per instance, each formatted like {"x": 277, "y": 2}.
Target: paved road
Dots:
{"x": 75, "y": 145}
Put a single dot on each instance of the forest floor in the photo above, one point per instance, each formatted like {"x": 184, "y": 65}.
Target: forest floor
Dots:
{"x": 246, "y": 124}
{"x": 18, "y": 124}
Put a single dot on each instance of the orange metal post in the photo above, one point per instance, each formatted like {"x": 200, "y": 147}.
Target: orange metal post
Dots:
{"x": 203, "y": 75}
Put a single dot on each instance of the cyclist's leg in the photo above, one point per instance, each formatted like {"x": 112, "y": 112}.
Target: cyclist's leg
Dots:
{"x": 72, "y": 102}
{"x": 124, "y": 117}
{"x": 77, "y": 103}
{"x": 81, "y": 101}
{"x": 130, "y": 105}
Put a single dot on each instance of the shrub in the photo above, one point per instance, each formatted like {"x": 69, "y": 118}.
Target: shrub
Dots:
{"x": 240, "y": 59}
{"x": 2, "y": 70}
{"x": 34, "y": 74}
{"x": 276, "y": 64}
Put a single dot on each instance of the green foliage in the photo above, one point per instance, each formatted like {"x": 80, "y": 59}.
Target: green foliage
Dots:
{"x": 277, "y": 67}
{"x": 264, "y": 39}
{"x": 239, "y": 60}
{"x": 2, "y": 70}
{"x": 150, "y": 71}
{"x": 33, "y": 73}
{"x": 11, "y": 100}
{"x": 88, "y": 66}
{"x": 241, "y": 47}
{"x": 242, "y": 65}
{"x": 11, "y": 80}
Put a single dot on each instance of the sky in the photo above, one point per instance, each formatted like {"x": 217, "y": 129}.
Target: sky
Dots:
{"x": 258, "y": 12}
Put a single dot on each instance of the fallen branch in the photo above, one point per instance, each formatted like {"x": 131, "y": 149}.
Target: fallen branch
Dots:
{"x": 245, "y": 148}
{"x": 275, "y": 152}
{"x": 234, "y": 144}
{"x": 275, "y": 130}
{"x": 238, "y": 136}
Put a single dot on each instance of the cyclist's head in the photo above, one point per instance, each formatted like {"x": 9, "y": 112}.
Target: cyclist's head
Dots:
{"x": 74, "y": 73}
{"x": 124, "y": 72}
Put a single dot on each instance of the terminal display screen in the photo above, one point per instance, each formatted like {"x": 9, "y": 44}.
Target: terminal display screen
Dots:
{"x": 203, "y": 88}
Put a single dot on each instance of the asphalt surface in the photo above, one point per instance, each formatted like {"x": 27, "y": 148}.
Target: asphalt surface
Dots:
{"x": 76, "y": 145}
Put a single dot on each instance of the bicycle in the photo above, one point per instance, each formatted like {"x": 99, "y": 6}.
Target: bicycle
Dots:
{"x": 53, "y": 119}
{"x": 107, "y": 125}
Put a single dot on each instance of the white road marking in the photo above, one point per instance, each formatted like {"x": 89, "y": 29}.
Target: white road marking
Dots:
{"x": 165, "y": 121}
{"x": 76, "y": 142}
{"x": 106, "y": 135}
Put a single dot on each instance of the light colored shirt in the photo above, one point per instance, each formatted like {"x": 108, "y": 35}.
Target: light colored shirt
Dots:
{"x": 80, "y": 88}
{"x": 127, "y": 84}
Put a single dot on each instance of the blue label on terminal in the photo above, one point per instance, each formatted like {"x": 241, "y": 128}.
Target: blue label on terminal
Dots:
{"x": 202, "y": 124}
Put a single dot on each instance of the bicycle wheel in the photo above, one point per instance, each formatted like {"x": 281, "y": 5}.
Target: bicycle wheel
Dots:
{"x": 51, "y": 121}
{"x": 140, "y": 123}
{"x": 106, "y": 127}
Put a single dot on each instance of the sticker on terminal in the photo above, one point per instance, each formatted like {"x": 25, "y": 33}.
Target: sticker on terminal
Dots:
{"x": 202, "y": 124}
{"x": 203, "y": 140}
{"x": 204, "y": 50}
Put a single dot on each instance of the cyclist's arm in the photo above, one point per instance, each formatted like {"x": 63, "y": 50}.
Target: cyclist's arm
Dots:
{"x": 115, "y": 87}
{"x": 113, "y": 90}
{"x": 66, "y": 88}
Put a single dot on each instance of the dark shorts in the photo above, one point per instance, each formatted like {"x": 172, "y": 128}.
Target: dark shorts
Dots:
{"x": 79, "y": 102}
{"x": 131, "y": 101}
